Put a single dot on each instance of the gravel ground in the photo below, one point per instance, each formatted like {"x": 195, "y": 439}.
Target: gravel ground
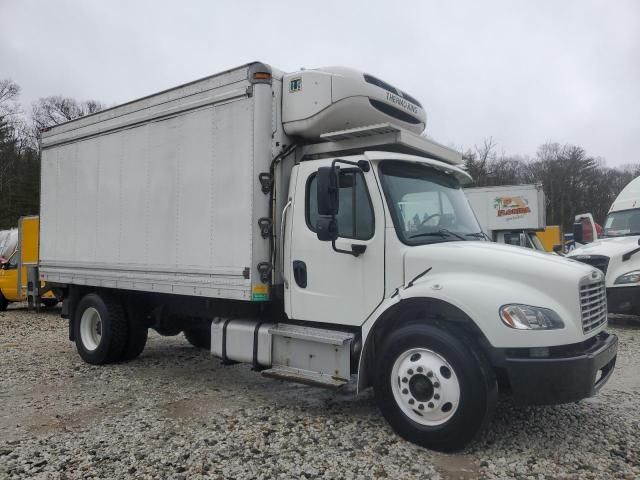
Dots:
{"x": 175, "y": 413}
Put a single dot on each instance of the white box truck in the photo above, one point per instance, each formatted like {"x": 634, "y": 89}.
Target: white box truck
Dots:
{"x": 269, "y": 217}
{"x": 617, "y": 253}
{"x": 510, "y": 214}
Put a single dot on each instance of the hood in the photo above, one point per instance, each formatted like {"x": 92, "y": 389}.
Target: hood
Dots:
{"x": 488, "y": 257}
{"x": 610, "y": 247}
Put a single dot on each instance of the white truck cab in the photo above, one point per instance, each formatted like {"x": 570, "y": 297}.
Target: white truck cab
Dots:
{"x": 299, "y": 223}
{"x": 617, "y": 253}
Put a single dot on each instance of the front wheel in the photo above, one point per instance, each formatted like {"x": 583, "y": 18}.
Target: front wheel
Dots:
{"x": 434, "y": 388}
{"x": 3, "y": 303}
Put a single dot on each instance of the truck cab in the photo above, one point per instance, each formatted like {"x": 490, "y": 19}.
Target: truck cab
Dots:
{"x": 19, "y": 259}
{"x": 617, "y": 252}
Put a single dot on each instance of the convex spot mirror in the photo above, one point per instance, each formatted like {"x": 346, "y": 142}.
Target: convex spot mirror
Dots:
{"x": 328, "y": 191}
{"x": 327, "y": 228}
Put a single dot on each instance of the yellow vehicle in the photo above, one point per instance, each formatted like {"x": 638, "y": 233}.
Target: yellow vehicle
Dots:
{"x": 550, "y": 237}
{"x": 18, "y": 267}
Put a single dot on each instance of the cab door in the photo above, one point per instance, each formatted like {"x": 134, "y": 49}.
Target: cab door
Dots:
{"x": 9, "y": 279}
{"x": 324, "y": 285}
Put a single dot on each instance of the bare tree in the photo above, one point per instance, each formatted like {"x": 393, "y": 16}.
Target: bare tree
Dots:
{"x": 9, "y": 93}
{"x": 56, "y": 109}
{"x": 9, "y": 109}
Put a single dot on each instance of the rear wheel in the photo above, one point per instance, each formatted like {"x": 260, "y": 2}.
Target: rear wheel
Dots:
{"x": 138, "y": 332}
{"x": 49, "y": 302}
{"x": 3, "y": 303}
{"x": 100, "y": 329}
{"x": 170, "y": 331}
{"x": 199, "y": 337}
{"x": 433, "y": 387}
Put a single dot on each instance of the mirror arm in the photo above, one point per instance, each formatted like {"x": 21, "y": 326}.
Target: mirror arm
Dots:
{"x": 356, "y": 250}
{"x": 361, "y": 164}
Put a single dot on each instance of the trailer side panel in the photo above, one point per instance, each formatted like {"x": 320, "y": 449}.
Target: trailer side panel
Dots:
{"x": 164, "y": 204}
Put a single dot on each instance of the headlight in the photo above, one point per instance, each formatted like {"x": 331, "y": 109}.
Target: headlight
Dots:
{"x": 526, "y": 317}
{"x": 629, "y": 277}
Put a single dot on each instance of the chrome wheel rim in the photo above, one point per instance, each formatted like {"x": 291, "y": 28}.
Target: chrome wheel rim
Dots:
{"x": 90, "y": 328}
{"x": 425, "y": 387}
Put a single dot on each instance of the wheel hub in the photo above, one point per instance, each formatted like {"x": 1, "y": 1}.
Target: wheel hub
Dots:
{"x": 91, "y": 328}
{"x": 425, "y": 386}
{"x": 421, "y": 388}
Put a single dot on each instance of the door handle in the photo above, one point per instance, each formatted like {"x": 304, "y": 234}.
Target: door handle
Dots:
{"x": 300, "y": 273}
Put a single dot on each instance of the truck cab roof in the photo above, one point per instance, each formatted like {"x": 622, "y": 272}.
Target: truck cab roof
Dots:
{"x": 628, "y": 198}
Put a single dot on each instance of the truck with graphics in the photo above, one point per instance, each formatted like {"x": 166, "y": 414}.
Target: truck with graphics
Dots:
{"x": 299, "y": 223}
{"x": 617, "y": 253}
{"x": 510, "y": 214}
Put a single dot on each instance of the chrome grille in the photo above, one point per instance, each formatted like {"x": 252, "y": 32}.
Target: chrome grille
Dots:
{"x": 593, "y": 305}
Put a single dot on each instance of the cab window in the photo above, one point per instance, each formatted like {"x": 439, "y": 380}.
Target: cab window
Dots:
{"x": 355, "y": 215}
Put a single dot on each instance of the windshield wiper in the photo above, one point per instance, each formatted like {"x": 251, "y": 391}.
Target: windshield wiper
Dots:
{"x": 443, "y": 232}
{"x": 478, "y": 235}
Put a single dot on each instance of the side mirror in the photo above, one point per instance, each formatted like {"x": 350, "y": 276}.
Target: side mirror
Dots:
{"x": 523, "y": 240}
{"x": 557, "y": 248}
{"x": 577, "y": 232}
{"x": 327, "y": 228}
{"x": 328, "y": 190}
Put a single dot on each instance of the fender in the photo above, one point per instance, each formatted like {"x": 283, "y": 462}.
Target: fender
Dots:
{"x": 479, "y": 297}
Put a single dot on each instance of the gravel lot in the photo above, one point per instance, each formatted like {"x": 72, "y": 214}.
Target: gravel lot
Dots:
{"x": 176, "y": 413}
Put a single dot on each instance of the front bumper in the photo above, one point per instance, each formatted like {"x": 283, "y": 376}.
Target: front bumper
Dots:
{"x": 624, "y": 300}
{"x": 566, "y": 375}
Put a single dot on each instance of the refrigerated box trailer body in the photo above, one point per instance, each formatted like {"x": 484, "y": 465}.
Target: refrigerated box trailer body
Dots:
{"x": 162, "y": 194}
{"x": 300, "y": 222}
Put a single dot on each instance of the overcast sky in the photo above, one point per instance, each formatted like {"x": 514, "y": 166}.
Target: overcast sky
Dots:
{"x": 523, "y": 72}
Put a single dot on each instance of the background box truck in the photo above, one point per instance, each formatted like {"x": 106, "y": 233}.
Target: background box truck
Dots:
{"x": 270, "y": 217}
{"x": 617, "y": 253}
{"x": 19, "y": 267}
{"x": 510, "y": 214}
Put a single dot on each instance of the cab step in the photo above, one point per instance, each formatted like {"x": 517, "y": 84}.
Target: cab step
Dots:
{"x": 311, "y": 355}
{"x": 306, "y": 377}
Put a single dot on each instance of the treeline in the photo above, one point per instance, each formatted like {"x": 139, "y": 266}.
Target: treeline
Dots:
{"x": 574, "y": 182}
{"x": 19, "y": 147}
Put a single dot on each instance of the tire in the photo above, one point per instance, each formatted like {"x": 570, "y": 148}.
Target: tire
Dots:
{"x": 434, "y": 367}
{"x": 49, "y": 302}
{"x": 100, "y": 329}
{"x": 137, "y": 338}
{"x": 199, "y": 338}
{"x": 3, "y": 303}
{"x": 168, "y": 331}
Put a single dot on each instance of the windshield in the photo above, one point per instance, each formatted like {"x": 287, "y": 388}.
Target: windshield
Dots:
{"x": 427, "y": 206}
{"x": 8, "y": 242}
{"x": 622, "y": 223}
